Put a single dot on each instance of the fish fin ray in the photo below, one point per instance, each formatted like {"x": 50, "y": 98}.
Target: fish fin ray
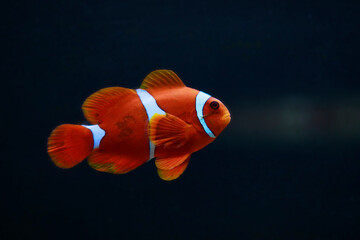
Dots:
{"x": 168, "y": 163}
{"x": 169, "y": 131}
{"x": 112, "y": 163}
{"x": 96, "y": 105}
{"x": 69, "y": 145}
{"x": 174, "y": 173}
{"x": 162, "y": 79}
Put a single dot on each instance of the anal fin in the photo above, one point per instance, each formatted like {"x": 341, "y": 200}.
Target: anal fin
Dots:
{"x": 111, "y": 162}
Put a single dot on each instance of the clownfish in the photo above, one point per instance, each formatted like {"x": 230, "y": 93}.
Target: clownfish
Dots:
{"x": 163, "y": 119}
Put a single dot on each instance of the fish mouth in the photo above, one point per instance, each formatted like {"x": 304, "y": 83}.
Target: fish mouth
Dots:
{"x": 226, "y": 117}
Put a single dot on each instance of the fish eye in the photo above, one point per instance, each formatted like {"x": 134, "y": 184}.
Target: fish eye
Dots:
{"x": 214, "y": 105}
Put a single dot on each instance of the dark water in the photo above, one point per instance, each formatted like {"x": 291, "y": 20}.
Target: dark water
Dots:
{"x": 287, "y": 167}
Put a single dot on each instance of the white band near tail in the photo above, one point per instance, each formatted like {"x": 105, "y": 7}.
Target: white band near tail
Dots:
{"x": 97, "y": 132}
{"x": 151, "y": 108}
{"x": 201, "y": 99}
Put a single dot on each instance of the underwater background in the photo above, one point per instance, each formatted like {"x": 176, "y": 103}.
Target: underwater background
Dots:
{"x": 287, "y": 166}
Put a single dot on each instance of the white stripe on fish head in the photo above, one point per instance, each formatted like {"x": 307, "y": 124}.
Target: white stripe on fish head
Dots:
{"x": 201, "y": 99}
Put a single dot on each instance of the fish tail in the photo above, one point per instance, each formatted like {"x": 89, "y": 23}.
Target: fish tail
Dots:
{"x": 70, "y": 144}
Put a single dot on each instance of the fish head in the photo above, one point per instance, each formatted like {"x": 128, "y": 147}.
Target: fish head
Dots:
{"x": 216, "y": 115}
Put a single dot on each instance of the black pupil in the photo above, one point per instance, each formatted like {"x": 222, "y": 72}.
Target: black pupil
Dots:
{"x": 214, "y": 105}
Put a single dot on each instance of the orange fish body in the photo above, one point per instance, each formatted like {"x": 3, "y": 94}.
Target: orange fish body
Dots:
{"x": 163, "y": 119}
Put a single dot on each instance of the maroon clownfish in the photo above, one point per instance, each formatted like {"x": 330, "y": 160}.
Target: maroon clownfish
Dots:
{"x": 163, "y": 119}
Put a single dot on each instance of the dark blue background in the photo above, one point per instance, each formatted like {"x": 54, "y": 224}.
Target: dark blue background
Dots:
{"x": 254, "y": 182}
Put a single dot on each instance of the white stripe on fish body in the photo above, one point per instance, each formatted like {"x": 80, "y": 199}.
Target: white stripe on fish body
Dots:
{"x": 97, "y": 132}
{"x": 151, "y": 109}
{"x": 201, "y": 99}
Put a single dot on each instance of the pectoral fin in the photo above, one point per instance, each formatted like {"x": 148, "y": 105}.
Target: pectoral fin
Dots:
{"x": 169, "y": 131}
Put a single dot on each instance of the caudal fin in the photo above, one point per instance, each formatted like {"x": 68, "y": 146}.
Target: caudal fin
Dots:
{"x": 69, "y": 145}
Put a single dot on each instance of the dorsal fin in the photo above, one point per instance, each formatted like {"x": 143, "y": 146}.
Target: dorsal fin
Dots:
{"x": 98, "y": 103}
{"x": 162, "y": 79}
